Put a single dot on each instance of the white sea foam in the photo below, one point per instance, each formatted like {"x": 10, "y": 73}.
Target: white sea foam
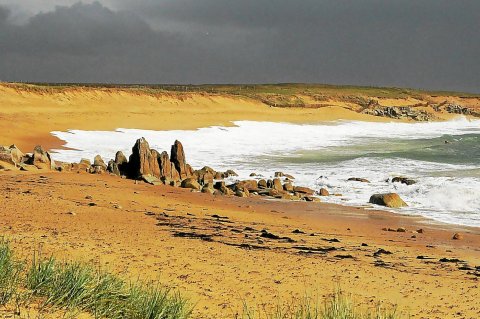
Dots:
{"x": 265, "y": 147}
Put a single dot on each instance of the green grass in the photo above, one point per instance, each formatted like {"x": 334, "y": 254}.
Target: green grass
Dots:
{"x": 338, "y": 306}
{"x": 77, "y": 287}
{"x": 82, "y": 288}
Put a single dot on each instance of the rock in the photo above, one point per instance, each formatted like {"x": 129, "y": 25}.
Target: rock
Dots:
{"x": 208, "y": 189}
{"x": 98, "y": 161}
{"x": 152, "y": 180}
{"x": 457, "y": 236}
{"x": 311, "y": 199}
{"x": 121, "y": 162}
{"x": 253, "y": 174}
{"x": 281, "y": 174}
{"x": 392, "y": 200}
{"x": 303, "y": 190}
{"x": 11, "y": 155}
{"x": 420, "y": 231}
{"x": 229, "y": 173}
{"x": 401, "y": 230}
{"x": 218, "y": 176}
{"x": 113, "y": 168}
{"x": 205, "y": 175}
{"x": 278, "y": 174}
{"x": 143, "y": 161}
{"x": 177, "y": 157}
{"x": 41, "y": 159}
{"x": 168, "y": 171}
{"x": 323, "y": 192}
{"x": 277, "y": 184}
{"x": 403, "y": 180}
{"x": 288, "y": 187}
{"x": 84, "y": 164}
{"x": 262, "y": 183}
{"x": 356, "y": 179}
{"x": 191, "y": 183}
{"x": 249, "y": 184}
{"x": 242, "y": 193}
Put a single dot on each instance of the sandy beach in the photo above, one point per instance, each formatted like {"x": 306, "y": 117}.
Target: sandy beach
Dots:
{"x": 210, "y": 247}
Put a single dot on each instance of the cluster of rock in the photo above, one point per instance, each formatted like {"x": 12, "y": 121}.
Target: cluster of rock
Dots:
{"x": 399, "y": 112}
{"x": 12, "y": 158}
{"x": 158, "y": 168}
{"x": 458, "y": 109}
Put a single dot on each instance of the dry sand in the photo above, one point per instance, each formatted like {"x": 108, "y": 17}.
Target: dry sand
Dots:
{"x": 139, "y": 238}
{"x": 51, "y": 211}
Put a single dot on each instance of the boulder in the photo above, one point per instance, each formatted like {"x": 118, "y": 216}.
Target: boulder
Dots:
{"x": 113, "y": 168}
{"x": 277, "y": 184}
{"x": 391, "y": 200}
{"x": 191, "y": 183}
{"x": 242, "y": 193}
{"x": 205, "y": 175}
{"x": 41, "y": 159}
{"x": 177, "y": 157}
{"x": 218, "y": 175}
{"x": 303, "y": 190}
{"x": 357, "y": 179}
{"x": 229, "y": 173}
{"x": 11, "y": 155}
{"x": 262, "y": 183}
{"x": 288, "y": 187}
{"x": 249, "y": 184}
{"x": 311, "y": 199}
{"x": 98, "y": 166}
{"x": 457, "y": 236}
{"x": 403, "y": 180}
{"x": 282, "y": 174}
{"x": 122, "y": 163}
{"x": 152, "y": 180}
{"x": 323, "y": 192}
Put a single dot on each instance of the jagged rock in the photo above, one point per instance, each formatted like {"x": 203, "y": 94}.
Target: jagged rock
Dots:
{"x": 113, "y": 168}
{"x": 288, "y": 187}
{"x": 357, "y": 179}
{"x": 277, "y": 184}
{"x": 41, "y": 159}
{"x": 262, "y": 183}
{"x": 177, "y": 157}
{"x": 191, "y": 183}
{"x": 219, "y": 175}
{"x": 323, "y": 192}
{"x": 392, "y": 200}
{"x": 168, "y": 172}
{"x": 143, "y": 161}
{"x": 403, "y": 180}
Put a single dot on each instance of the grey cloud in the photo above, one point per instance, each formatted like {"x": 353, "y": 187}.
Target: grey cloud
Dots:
{"x": 431, "y": 44}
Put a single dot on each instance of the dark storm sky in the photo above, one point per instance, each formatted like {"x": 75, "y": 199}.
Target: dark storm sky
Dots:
{"x": 432, "y": 44}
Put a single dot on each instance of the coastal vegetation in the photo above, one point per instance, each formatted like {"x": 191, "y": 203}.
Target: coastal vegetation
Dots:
{"x": 75, "y": 288}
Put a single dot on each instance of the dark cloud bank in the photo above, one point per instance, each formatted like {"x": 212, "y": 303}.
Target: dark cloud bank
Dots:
{"x": 433, "y": 44}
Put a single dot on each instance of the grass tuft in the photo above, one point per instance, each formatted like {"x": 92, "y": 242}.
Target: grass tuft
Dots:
{"x": 10, "y": 271}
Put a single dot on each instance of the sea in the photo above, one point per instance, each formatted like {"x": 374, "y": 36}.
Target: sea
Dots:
{"x": 442, "y": 157}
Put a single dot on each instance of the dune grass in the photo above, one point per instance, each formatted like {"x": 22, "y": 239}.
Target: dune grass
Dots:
{"x": 82, "y": 288}
{"x": 77, "y": 287}
{"x": 337, "y": 306}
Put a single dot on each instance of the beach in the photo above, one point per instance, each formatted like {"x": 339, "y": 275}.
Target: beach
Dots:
{"x": 214, "y": 248}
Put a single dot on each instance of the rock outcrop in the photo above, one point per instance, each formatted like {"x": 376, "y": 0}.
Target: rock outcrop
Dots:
{"x": 391, "y": 200}
{"x": 177, "y": 156}
{"x": 143, "y": 161}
